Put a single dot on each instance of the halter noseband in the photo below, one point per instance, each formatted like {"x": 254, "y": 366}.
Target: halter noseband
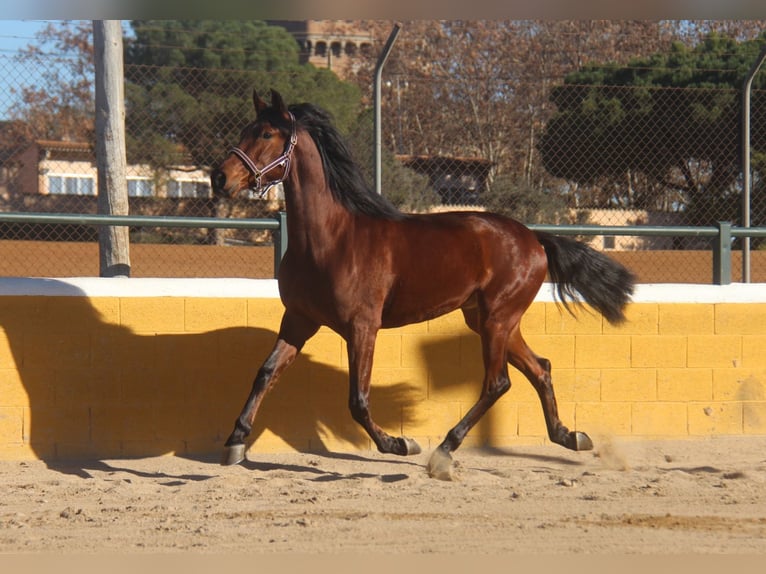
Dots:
{"x": 282, "y": 160}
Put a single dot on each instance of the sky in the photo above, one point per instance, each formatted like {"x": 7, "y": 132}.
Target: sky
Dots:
{"x": 14, "y": 35}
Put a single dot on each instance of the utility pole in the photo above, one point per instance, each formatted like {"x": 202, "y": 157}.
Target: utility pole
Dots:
{"x": 113, "y": 241}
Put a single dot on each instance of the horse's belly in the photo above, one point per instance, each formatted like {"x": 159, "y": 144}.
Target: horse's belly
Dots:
{"x": 406, "y": 306}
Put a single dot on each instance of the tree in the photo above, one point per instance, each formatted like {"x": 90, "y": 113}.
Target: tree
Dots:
{"x": 61, "y": 106}
{"x": 480, "y": 88}
{"x": 660, "y": 133}
{"x": 484, "y": 89}
{"x": 516, "y": 198}
{"x": 190, "y": 84}
{"x": 404, "y": 187}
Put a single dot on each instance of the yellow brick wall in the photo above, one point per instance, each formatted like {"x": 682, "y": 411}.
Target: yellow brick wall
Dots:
{"x": 138, "y": 376}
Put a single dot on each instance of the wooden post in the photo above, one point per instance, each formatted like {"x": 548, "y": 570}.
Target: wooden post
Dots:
{"x": 113, "y": 241}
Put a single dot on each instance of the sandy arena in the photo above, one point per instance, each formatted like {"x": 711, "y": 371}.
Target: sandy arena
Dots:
{"x": 705, "y": 496}
{"x": 669, "y": 497}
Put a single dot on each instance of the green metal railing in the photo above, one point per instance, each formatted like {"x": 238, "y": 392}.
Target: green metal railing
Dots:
{"x": 721, "y": 235}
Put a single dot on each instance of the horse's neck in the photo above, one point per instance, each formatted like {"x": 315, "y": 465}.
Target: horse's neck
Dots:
{"x": 314, "y": 218}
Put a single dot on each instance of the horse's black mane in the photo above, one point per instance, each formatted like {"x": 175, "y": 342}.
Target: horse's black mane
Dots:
{"x": 344, "y": 176}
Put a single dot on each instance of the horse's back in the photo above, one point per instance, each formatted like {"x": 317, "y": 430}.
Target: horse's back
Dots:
{"x": 485, "y": 237}
{"x": 442, "y": 260}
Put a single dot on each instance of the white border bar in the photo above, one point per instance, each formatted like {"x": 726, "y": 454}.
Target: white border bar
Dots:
{"x": 686, "y": 293}
{"x": 139, "y": 287}
{"x": 267, "y": 288}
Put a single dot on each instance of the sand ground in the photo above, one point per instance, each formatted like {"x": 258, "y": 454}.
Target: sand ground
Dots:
{"x": 705, "y": 496}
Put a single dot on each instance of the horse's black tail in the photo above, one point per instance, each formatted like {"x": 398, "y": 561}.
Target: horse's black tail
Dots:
{"x": 577, "y": 269}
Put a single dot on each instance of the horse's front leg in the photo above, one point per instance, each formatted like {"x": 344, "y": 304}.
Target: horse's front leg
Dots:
{"x": 361, "y": 346}
{"x": 293, "y": 333}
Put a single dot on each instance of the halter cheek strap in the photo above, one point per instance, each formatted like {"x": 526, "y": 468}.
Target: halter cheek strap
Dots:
{"x": 282, "y": 160}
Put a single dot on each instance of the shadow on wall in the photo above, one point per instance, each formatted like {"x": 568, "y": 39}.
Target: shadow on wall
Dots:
{"x": 455, "y": 375}
{"x": 99, "y": 390}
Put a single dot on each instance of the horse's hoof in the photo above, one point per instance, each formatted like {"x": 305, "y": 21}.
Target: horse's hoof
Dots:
{"x": 440, "y": 465}
{"x": 581, "y": 441}
{"x": 411, "y": 446}
{"x": 233, "y": 454}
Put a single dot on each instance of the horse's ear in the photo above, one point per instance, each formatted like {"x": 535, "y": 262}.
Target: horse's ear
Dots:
{"x": 260, "y": 105}
{"x": 278, "y": 103}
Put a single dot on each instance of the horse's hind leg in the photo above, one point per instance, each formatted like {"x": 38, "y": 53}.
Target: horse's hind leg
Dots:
{"x": 293, "y": 333}
{"x": 538, "y": 371}
{"x": 494, "y": 335}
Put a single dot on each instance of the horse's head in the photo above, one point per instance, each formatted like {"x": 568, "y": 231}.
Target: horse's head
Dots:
{"x": 262, "y": 157}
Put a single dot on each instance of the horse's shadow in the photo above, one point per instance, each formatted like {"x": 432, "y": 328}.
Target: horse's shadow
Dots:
{"x": 92, "y": 390}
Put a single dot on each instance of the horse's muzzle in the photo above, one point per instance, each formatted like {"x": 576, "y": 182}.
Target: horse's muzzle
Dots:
{"x": 218, "y": 182}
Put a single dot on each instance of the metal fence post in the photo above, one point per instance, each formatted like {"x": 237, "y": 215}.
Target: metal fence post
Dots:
{"x": 722, "y": 254}
{"x": 376, "y": 103}
{"x": 280, "y": 241}
{"x": 745, "y": 150}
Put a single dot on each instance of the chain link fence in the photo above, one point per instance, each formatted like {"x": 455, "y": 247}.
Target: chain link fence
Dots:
{"x": 44, "y": 175}
{"x": 599, "y": 155}
{"x": 561, "y": 154}
{"x": 610, "y": 154}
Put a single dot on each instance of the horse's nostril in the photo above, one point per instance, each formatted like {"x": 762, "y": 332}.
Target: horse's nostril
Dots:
{"x": 217, "y": 180}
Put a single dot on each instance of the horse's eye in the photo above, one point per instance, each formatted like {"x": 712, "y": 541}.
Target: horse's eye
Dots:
{"x": 266, "y": 135}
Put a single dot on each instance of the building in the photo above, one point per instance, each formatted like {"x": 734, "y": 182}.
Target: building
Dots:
{"x": 332, "y": 44}
{"x": 69, "y": 168}
{"x": 457, "y": 180}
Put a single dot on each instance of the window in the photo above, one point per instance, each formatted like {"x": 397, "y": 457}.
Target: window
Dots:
{"x": 140, "y": 187}
{"x": 187, "y": 188}
{"x": 71, "y": 185}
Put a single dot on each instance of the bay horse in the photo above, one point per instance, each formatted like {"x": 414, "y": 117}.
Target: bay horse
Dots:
{"x": 357, "y": 264}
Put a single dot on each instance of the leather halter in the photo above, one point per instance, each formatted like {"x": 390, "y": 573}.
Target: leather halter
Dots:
{"x": 282, "y": 160}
